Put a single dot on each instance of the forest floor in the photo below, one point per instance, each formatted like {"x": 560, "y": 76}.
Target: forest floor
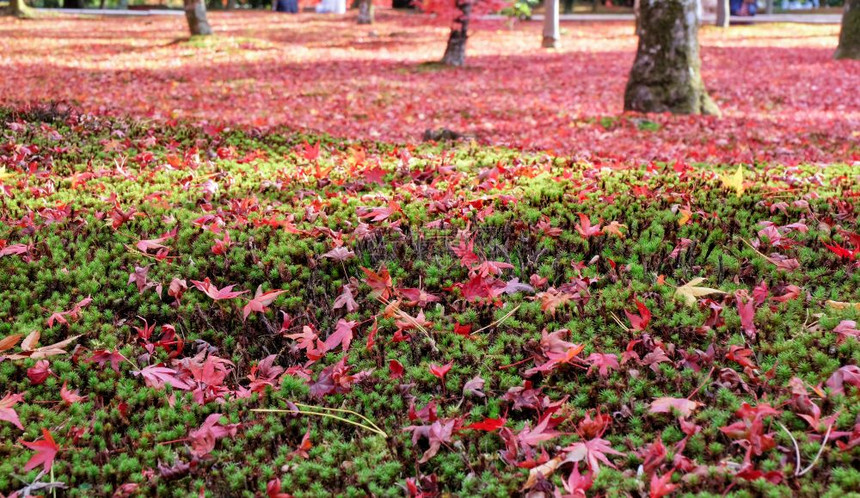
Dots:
{"x": 782, "y": 95}
{"x": 633, "y": 305}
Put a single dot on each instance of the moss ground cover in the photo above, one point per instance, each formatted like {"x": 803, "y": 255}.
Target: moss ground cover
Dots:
{"x": 504, "y": 322}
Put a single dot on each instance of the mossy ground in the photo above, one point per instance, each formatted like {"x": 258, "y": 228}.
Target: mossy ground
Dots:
{"x": 66, "y": 173}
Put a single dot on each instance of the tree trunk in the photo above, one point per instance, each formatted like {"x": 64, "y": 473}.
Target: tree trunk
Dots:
{"x": 550, "y": 24}
{"x": 723, "y": 13}
{"x": 455, "y": 52}
{"x": 73, "y": 4}
{"x": 849, "y": 37}
{"x": 665, "y": 76}
{"x": 636, "y": 16}
{"x": 365, "y": 12}
{"x": 768, "y": 7}
{"x": 195, "y": 13}
{"x": 20, "y": 9}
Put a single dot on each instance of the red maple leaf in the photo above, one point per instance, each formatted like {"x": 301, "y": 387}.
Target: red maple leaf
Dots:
{"x": 380, "y": 283}
{"x": 7, "y": 412}
{"x": 661, "y": 486}
{"x": 46, "y": 450}
{"x": 70, "y": 396}
{"x": 593, "y": 452}
{"x": 260, "y": 301}
{"x": 602, "y": 362}
{"x": 488, "y": 424}
{"x": 157, "y": 376}
{"x": 342, "y": 335}
{"x": 214, "y": 292}
{"x": 639, "y": 322}
{"x": 585, "y": 228}
{"x": 102, "y": 356}
{"x": 440, "y": 371}
{"x": 203, "y": 439}
{"x": 437, "y": 433}
{"x": 396, "y": 369}
{"x": 682, "y": 405}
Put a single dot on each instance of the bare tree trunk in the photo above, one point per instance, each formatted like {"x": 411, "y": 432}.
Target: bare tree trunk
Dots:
{"x": 768, "y": 7}
{"x": 723, "y": 13}
{"x": 455, "y": 52}
{"x": 665, "y": 76}
{"x": 20, "y": 9}
{"x": 365, "y": 12}
{"x": 195, "y": 13}
{"x": 849, "y": 37}
{"x": 550, "y": 24}
{"x": 636, "y": 16}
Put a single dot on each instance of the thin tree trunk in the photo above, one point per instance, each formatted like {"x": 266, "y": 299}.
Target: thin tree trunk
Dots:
{"x": 849, "y": 37}
{"x": 73, "y": 4}
{"x": 723, "y": 13}
{"x": 365, "y": 12}
{"x": 550, "y": 24}
{"x": 455, "y": 52}
{"x": 195, "y": 13}
{"x": 20, "y": 9}
{"x": 636, "y": 16}
{"x": 665, "y": 76}
{"x": 768, "y": 7}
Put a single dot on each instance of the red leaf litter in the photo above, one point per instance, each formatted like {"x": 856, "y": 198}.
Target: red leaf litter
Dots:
{"x": 782, "y": 95}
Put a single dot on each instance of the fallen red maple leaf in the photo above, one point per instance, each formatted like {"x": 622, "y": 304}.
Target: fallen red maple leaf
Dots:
{"x": 441, "y": 371}
{"x": 343, "y": 333}
{"x": 666, "y": 404}
{"x": 46, "y": 450}
{"x": 488, "y": 424}
{"x": 214, "y": 292}
{"x": 7, "y": 412}
{"x": 259, "y": 302}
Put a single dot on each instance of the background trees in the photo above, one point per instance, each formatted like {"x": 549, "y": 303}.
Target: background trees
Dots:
{"x": 665, "y": 76}
{"x": 460, "y": 13}
{"x": 195, "y": 13}
{"x": 849, "y": 37}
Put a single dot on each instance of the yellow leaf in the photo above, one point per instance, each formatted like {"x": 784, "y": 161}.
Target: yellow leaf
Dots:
{"x": 735, "y": 182}
{"x": 690, "y": 291}
{"x": 839, "y": 305}
{"x": 686, "y": 214}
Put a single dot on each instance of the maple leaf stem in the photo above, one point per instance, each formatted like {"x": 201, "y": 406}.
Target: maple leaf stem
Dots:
{"x": 796, "y": 447}
{"x": 342, "y": 410}
{"x": 707, "y": 378}
{"x": 500, "y": 320}
{"x": 768, "y": 259}
{"x": 324, "y": 415}
{"x": 817, "y": 455}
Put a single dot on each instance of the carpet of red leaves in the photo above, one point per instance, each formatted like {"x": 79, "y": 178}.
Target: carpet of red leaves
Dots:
{"x": 783, "y": 97}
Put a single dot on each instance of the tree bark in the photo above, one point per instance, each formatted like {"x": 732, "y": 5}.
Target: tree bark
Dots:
{"x": 768, "y": 7}
{"x": 550, "y": 24}
{"x": 849, "y": 37}
{"x": 723, "y": 13}
{"x": 455, "y": 52}
{"x": 636, "y": 16}
{"x": 365, "y": 12}
{"x": 73, "y": 4}
{"x": 665, "y": 76}
{"x": 195, "y": 14}
{"x": 20, "y": 9}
